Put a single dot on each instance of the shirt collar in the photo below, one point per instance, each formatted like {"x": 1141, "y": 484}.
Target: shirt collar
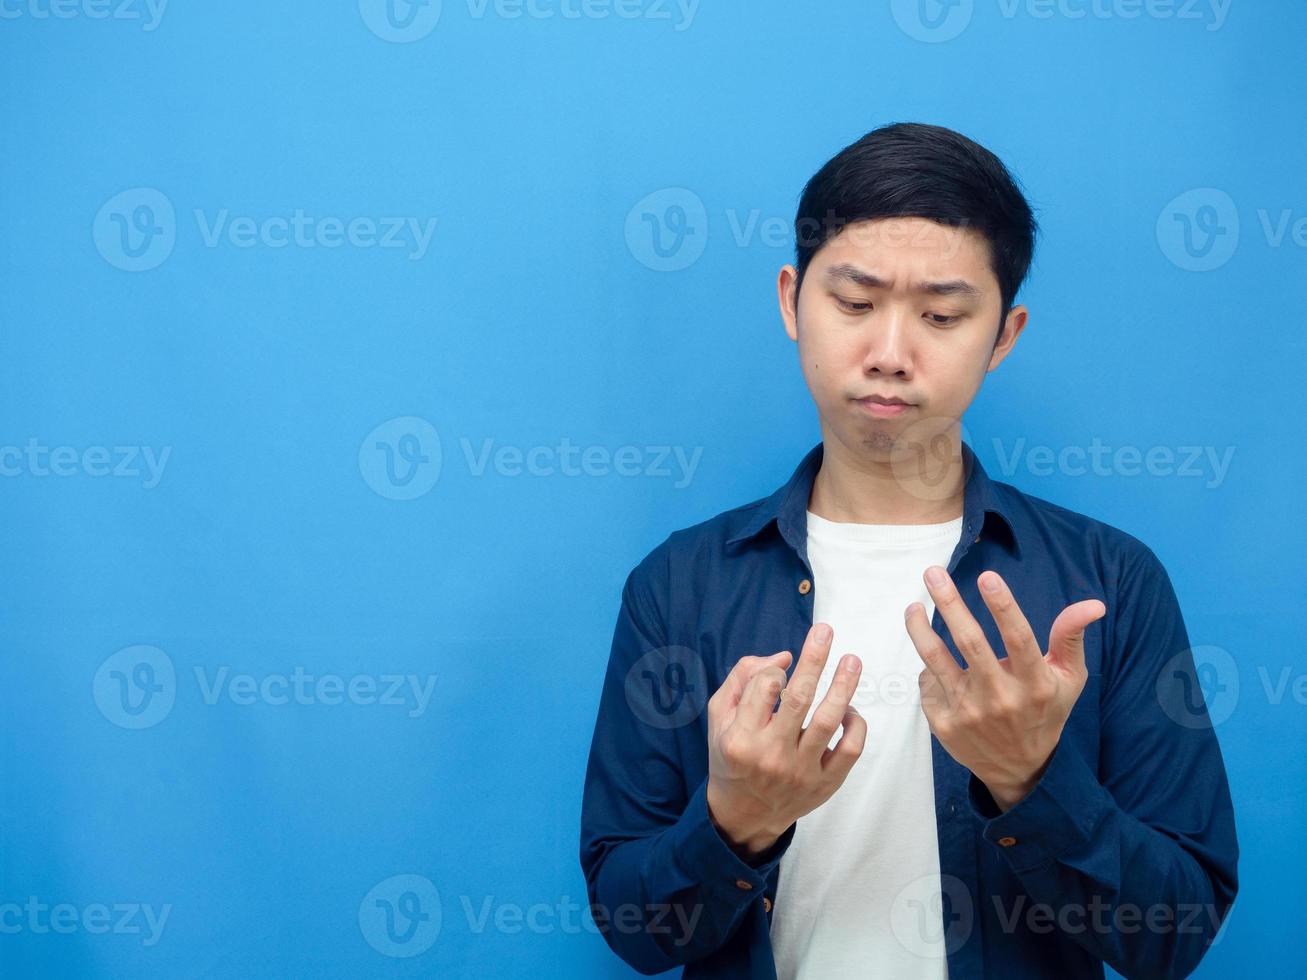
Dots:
{"x": 788, "y": 505}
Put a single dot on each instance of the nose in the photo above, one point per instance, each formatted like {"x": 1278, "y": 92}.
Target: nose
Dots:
{"x": 887, "y": 345}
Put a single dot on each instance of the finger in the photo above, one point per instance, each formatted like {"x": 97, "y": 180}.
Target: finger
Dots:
{"x": 1023, "y": 650}
{"x": 802, "y": 686}
{"x": 838, "y": 761}
{"x": 962, "y": 626}
{"x": 934, "y": 698}
{"x": 760, "y": 693}
{"x": 830, "y": 713}
{"x": 932, "y": 650}
{"x": 728, "y": 695}
{"x": 1066, "y": 638}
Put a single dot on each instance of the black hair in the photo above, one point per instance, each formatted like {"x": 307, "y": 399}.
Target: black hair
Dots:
{"x": 923, "y": 171}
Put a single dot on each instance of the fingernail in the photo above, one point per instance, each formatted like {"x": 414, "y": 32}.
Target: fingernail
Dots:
{"x": 989, "y": 582}
{"x": 823, "y": 633}
{"x": 849, "y": 663}
{"x": 935, "y": 575}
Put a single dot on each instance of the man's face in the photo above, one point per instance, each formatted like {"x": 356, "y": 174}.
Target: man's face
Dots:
{"x": 902, "y": 308}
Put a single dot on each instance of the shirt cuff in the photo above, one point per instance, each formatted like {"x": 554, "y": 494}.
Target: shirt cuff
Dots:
{"x": 704, "y": 853}
{"x": 1057, "y": 817}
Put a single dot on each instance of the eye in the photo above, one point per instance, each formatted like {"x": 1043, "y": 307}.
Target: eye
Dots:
{"x": 942, "y": 319}
{"x": 852, "y": 306}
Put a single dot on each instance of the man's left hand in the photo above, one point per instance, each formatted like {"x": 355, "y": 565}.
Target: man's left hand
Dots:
{"x": 1001, "y": 718}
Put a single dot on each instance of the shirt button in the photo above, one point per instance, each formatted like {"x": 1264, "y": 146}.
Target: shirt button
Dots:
{"x": 977, "y": 541}
{"x": 1007, "y": 841}
{"x": 741, "y": 883}
{"x": 766, "y": 904}
{"x": 805, "y": 587}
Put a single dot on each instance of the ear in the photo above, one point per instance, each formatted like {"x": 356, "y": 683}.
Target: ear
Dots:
{"x": 787, "y": 295}
{"x": 1013, "y": 324}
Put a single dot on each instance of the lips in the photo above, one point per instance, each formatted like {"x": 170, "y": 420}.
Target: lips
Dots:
{"x": 884, "y": 400}
{"x": 880, "y": 406}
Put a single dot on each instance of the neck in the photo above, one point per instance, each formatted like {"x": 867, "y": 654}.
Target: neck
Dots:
{"x": 903, "y": 485}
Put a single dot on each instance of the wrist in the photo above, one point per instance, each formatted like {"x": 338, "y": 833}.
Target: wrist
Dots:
{"x": 1010, "y": 791}
{"x": 746, "y": 841}
{"x": 1007, "y": 793}
{"x": 1006, "y": 797}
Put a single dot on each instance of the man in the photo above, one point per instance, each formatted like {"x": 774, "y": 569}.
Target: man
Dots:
{"x": 1006, "y": 769}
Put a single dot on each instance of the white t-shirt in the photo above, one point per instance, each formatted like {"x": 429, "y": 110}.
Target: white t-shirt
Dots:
{"x": 859, "y": 888}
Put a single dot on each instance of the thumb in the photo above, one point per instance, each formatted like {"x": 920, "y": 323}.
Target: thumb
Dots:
{"x": 732, "y": 689}
{"x": 1066, "y": 638}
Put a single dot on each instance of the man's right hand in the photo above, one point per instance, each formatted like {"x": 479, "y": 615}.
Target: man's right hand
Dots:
{"x": 765, "y": 770}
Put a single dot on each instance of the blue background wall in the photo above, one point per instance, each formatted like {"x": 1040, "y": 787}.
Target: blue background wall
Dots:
{"x": 155, "y": 300}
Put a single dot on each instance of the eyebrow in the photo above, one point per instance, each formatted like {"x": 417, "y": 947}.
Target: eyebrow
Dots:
{"x": 851, "y": 273}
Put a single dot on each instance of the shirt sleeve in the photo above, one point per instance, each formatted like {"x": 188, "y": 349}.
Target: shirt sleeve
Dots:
{"x": 1143, "y": 852}
{"x": 665, "y": 888}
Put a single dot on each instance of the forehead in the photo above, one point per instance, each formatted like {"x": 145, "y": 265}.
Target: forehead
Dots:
{"x": 927, "y": 247}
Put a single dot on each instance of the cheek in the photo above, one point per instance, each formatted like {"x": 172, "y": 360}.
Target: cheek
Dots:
{"x": 962, "y": 368}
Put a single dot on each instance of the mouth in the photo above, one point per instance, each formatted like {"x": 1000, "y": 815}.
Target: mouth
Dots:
{"x": 882, "y": 407}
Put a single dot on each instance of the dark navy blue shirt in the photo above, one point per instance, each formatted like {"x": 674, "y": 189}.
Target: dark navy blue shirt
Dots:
{"x": 1123, "y": 853}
